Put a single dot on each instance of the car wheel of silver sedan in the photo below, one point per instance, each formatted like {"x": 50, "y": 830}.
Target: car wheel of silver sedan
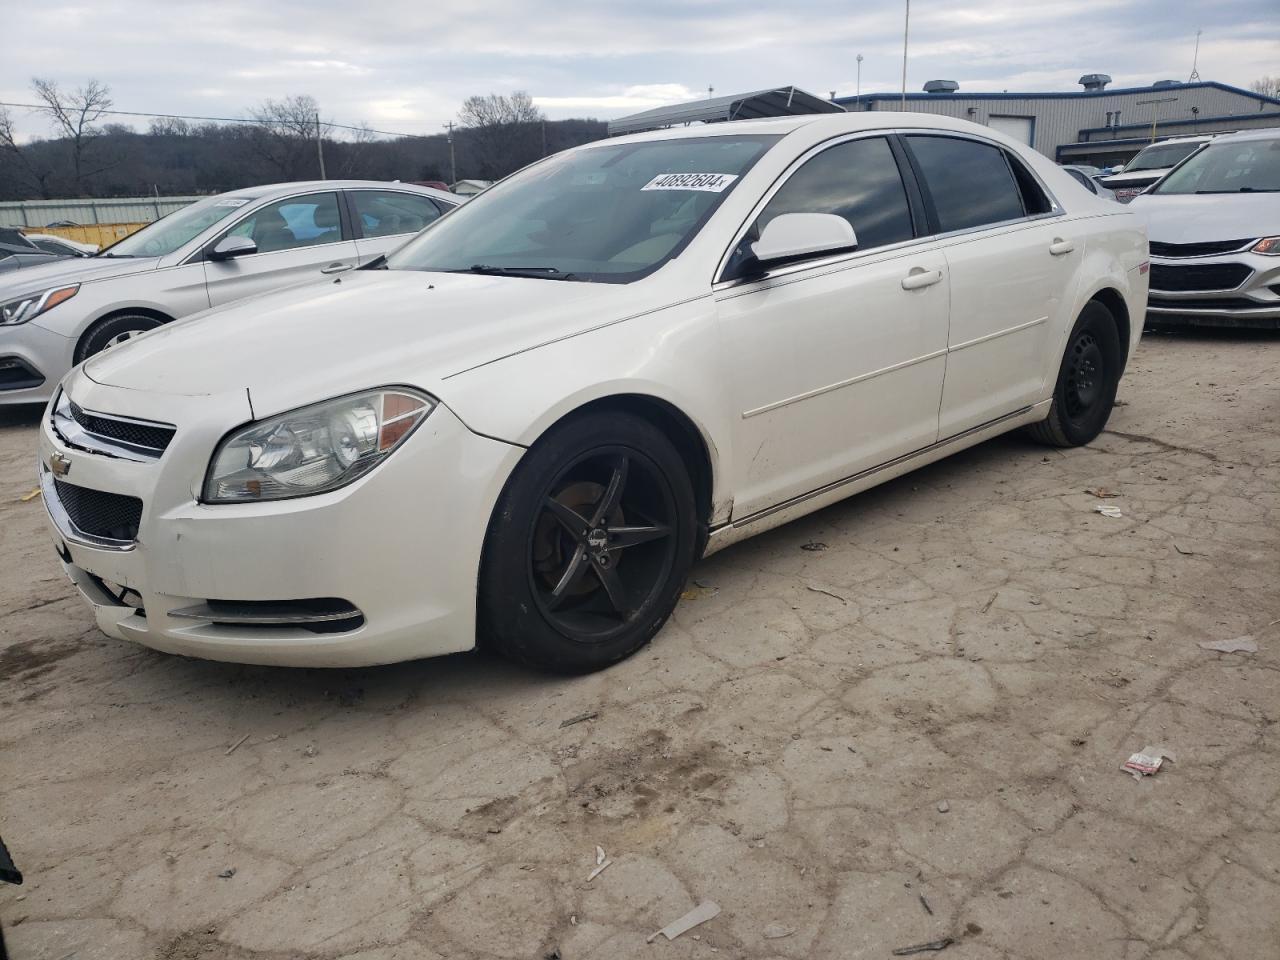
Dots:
{"x": 112, "y": 332}
{"x": 590, "y": 546}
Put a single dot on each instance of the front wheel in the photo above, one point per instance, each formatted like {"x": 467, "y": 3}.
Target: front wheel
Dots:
{"x": 1085, "y": 391}
{"x": 112, "y": 332}
{"x": 589, "y": 546}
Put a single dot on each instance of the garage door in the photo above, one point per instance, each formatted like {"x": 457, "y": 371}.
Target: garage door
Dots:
{"x": 1017, "y": 127}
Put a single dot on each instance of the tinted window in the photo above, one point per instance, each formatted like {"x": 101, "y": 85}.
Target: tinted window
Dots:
{"x": 386, "y": 213}
{"x": 292, "y": 223}
{"x": 857, "y": 180}
{"x": 969, "y": 182}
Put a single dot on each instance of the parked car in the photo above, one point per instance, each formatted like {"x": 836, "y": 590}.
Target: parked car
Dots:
{"x": 62, "y": 246}
{"x": 1089, "y": 180}
{"x": 1214, "y": 224}
{"x": 16, "y": 251}
{"x": 527, "y": 423}
{"x": 1152, "y": 163}
{"x": 210, "y": 253}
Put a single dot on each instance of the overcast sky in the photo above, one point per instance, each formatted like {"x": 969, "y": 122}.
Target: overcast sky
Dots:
{"x": 406, "y": 65}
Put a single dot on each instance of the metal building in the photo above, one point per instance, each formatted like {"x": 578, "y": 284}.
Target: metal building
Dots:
{"x": 1093, "y": 125}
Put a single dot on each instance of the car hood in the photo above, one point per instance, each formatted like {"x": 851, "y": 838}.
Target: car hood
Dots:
{"x": 1134, "y": 177}
{"x": 373, "y": 327}
{"x": 1188, "y": 218}
{"x": 71, "y": 270}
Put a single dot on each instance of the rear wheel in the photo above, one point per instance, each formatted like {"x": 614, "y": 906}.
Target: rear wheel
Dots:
{"x": 112, "y": 332}
{"x": 1085, "y": 391}
{"x": 589, "y": 547}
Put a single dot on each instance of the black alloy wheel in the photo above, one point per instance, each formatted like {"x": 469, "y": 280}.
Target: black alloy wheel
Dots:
{"x": 590, "y": 546}
{"x": 1085, "y": 391}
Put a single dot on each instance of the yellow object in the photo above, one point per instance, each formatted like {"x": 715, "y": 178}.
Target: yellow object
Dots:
{"x": 30, "y": 496}
{"x": 103, "y": 234}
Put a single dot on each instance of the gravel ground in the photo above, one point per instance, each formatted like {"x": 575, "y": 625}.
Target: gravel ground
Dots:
{"x": 897, "y": 721}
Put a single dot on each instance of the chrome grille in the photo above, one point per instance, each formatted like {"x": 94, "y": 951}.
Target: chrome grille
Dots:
{"x": 111, "y": 434}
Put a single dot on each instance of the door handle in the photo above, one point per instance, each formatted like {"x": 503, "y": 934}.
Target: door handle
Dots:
{"x": 1060, "y": 246}
{"x": 918, "y": 278}
{"x": 338, "y": 267}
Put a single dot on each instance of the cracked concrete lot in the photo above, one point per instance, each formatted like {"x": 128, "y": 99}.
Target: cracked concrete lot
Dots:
{"x": 912, "y": 733}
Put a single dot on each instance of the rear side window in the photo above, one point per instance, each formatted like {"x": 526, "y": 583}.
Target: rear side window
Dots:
{"x": 857, "y": 180}
{"x": 390, "y": 213}
{"x": 969, "y": 182}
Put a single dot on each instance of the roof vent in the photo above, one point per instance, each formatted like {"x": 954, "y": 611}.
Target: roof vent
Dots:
{"x": 1094, "y": 81}
{"x": 1166, "y": 83}
{"x": 941, "y": 86}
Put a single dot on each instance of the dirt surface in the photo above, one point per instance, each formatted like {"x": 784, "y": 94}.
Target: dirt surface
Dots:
{"x": 897, "y": 721}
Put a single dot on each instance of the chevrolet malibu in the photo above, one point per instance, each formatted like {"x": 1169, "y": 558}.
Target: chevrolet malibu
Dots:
{"x": 523, "y": 427}
{"x": 61, "y": 311}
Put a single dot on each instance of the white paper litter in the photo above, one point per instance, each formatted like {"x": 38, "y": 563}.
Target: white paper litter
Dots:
{"x": 600, "y": 857}
{"x": 1146, "y": 763}
{"x": 776, "y": 931}
{"x": 1107, "y": 510}
{"x": 599, "y": 870}
{"x": 1245, "y": 644}
{"x": 706, "y": 910}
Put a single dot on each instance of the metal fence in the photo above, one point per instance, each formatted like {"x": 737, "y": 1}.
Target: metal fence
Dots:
{"x": 122, "y": 210}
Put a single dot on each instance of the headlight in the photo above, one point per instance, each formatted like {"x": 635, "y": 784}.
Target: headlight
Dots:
{"x": 24, "y": 308}
{"x": 313, "y": 449}
{"x": 1268, "y": 246}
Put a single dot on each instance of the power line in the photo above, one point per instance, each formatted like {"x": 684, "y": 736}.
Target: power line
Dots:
{"x": 257, "y": 120}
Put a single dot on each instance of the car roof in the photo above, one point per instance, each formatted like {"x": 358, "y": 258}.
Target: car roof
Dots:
{"x": 833, "y": 123}
{"x": 1269, "y": 133}
{"x": 269, "y": 190}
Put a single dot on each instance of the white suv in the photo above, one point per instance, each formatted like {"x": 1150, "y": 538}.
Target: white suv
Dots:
{"x": 217, "y": 250}
{"x": 1151, "y": 163}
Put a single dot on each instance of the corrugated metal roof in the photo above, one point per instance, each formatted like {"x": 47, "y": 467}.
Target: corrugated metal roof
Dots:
{"x": 778, "y": 102}
{"x": 1061, "y": 94}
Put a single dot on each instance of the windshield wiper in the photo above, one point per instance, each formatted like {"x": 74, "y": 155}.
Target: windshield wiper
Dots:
{"x": 1242, "y": 190}
{"x": 542, "y": 273}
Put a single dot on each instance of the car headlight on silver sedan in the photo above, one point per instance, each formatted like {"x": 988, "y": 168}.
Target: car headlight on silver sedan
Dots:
{"x": 313, "y": 449}
{"x": 22, "y": 309}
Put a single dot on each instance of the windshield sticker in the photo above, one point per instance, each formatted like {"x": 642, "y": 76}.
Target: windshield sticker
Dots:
{"x": 231, "y": 202}
{"x": 706, "y": 182}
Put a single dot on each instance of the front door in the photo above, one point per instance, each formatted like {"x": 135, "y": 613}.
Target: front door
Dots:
{"x": 298, "y": 239}
{"x": 836, "y": 364}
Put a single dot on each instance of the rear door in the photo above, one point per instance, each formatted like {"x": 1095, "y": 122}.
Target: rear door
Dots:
{"x": 1011, "y": 255}
{"x": 836, "y": 363}
{"x": 299, "y": 238}
{"x": 384, "y": 219}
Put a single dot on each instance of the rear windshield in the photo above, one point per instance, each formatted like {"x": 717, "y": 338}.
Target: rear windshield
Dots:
{"x": 610, "y": 213}
{"x": 1246, "y": 166}
{"x": 1162, "y": 155}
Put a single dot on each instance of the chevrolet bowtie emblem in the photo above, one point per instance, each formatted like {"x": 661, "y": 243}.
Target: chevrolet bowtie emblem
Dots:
{"x": 60, "y": 465}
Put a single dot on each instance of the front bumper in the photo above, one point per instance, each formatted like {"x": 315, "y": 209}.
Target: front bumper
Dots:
{"x": 402, "y": 544}
{"x": 1251, "y": 301}
{"x": 32, "y": 361}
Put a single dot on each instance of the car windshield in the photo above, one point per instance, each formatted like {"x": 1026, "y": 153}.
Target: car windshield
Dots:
{"x": 169, "y": 233}
{"x": 1245, "y": 166}
{"x": 1161, "y": 156}
{"x": 611, "y": 213}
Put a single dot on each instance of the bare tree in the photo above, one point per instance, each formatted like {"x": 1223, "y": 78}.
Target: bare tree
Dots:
{"x": 356, "y": 150}
{"x": 169, "y": 127}
{"x": 503, "y": 132}
{"x": 37, "y": 174}
{"x": 73, "y": 116}
{"x": 1267, "y": 86}
{"x": 287, "y": 134}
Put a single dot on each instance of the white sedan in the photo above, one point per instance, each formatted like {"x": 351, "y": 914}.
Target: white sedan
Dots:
{"x": 524, "y": 427}
{"x": 54, "y": 315}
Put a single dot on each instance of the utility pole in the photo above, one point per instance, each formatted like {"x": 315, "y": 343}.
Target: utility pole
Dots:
{"x": 906, "y": 27}
{"x": 320, "y": 146}
{"x": 1155, "y": 106}
{"x": 1195, "y": 60}
{"x": 857, "y": 96}
{"x": 543, "y": 123}
{"x": 453, "y": 164}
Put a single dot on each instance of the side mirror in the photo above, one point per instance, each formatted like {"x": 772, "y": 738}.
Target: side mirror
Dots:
{"x": 229, "y": 248}
{"x": 792, "y": 235}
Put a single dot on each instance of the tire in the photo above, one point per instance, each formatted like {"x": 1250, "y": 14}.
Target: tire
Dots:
{"x": 113, "y": 330}
{"x": 589, "y": 546}
{"x": 1085, "y": 391}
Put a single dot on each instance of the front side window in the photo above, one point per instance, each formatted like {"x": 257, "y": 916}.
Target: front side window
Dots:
{"x": 969, "y": 182}
{"x": 1248, "y": 166}
{"x": 289, "y": 224}
{"x": 387, "y": 213}
{"x": 176, "y": 230}
{"x": 609, "y": 213}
